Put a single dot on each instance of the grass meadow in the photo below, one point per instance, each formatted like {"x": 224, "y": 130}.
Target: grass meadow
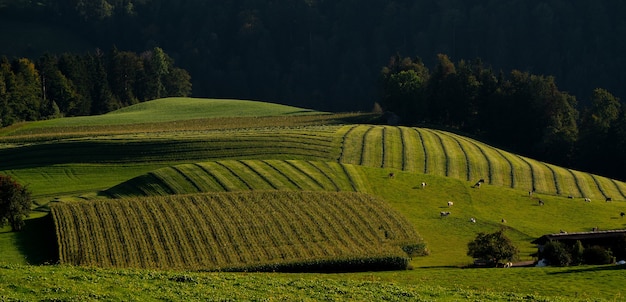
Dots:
{"x": 89, "y": 160}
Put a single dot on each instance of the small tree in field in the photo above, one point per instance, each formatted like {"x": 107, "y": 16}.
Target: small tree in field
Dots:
{"x": 493, "y": 247}
{"x": 15, "y": 202}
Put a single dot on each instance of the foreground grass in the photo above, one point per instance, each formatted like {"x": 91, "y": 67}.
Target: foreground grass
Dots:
{"x": 64, "y": 283}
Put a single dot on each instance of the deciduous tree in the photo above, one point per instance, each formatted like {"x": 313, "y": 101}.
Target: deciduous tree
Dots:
{"x": 493, "y": 247}
{"x": 15, "y": 203}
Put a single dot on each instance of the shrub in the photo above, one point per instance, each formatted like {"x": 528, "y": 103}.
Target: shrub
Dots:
{"x": 416, "y": 249}
{"x": 15, "y": 202}
{"x": 492, "y": 247}
{"x": 597, "y": 255}
{"x": 577, "y": 251}
{"x": 556, "y": 254}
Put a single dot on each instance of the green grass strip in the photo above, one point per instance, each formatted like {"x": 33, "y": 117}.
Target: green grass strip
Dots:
{"x": 413, "y": 151}
{"x": 393, "y": 148}
{"x": 372, "y": 148}
{"x": 436, "y": 161}
{"x": 226, "y": 177}
{"x": 458, "y": 162}
{"x": 346, "y": 130}
{"x": 424, "y": 151}
{"x": 252, "y": 179}
{"x": 306, "y": 176}
{"x": 587, "y": 185}
{"x": 353, "y": 145}
{"x": 566, "y": 181}
{"x": 478, "y": 164}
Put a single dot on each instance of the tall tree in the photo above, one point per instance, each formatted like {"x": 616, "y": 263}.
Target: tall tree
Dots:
{"x": 25, "y": 96}
{"x": 404, "y": 83}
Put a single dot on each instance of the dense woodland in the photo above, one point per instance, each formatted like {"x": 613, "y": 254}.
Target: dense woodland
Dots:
{"x": 328, "y": 55}
{"x": 95, "y": 83}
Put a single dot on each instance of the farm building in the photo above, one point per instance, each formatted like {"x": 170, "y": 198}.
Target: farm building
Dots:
{"x": 609, "y": 239}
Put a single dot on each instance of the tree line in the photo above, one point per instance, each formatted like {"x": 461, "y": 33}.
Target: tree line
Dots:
{"x": 518, "y": 111}
{"x": 325, "y": 55}
{"x": 93, "y": 83}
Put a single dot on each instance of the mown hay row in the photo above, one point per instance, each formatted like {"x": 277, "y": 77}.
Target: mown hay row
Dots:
{"x": 477, "y": 162}
{"x": 393, "y": 148}
{"x": 372, "y": 153}
{"x": 280, "y": 144}
{"x": 238, "y": 175}
{"x": 457, "y": 160}
{"x": 233, "y": 231}
{"x": 436, "y": 161}
{"x": 414, "y": 157}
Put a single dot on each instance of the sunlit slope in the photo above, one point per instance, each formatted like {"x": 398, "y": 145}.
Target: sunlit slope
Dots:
{"x": 177, "y": 109}
{"x": 446, "y": 154}
{"x": 236, "y": 231}
{"x": 244, "y": 175}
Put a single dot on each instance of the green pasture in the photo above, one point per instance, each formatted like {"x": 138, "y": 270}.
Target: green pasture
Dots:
{"x": 176, "y": 109}
{"x": 68, "y": 283}
{"x": 310, "y": 152}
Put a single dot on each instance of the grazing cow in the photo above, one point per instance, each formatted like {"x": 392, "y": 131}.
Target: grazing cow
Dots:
{"x": 622, "y": 214}
{"x": 478, "y": 183}
{"x": 392, "y": 175}
{"x": 587, "y": 199}
{"x": 541, "y": 202}
{"x": 570, "y": 196}
{"x": 444, "y": 214}
{"x": 503, "y": 220}
{"x": 609, "y": 199}
{"x": 472, "y": 220}
{"x": 508, "y": 264}
{"x": 595, "y": 229}
{"x": 423, "y": 185}
{"x": 450, "y": 203}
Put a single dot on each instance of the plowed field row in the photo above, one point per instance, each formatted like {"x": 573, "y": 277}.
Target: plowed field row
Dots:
{"x": 231, "y": 231}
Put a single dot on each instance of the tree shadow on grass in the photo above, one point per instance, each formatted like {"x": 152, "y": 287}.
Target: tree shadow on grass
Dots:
{"x": 37, "y": 241}
{"x": 590, "y": 269}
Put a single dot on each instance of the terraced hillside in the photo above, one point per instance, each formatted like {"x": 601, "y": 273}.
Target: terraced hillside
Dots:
{"x": 236, "y": 231}
{"x": 443, "y": 153}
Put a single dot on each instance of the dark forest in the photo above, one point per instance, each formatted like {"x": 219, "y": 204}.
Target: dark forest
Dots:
{"x": 542, "y": 78}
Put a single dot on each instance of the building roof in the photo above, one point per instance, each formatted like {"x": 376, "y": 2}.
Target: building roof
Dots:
{"x": 580, "y": 236}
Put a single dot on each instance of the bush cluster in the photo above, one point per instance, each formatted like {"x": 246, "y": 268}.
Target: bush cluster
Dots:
{"x": 559, "y": 254}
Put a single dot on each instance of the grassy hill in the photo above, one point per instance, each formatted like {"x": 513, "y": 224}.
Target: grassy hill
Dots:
{"x": 64, "y": 163}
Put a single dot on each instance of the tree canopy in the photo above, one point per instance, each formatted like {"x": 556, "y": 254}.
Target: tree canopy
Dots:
{"x": 15, "y": 203}
{"x": 94, "y": 83}
{"x": 492, "y": 247}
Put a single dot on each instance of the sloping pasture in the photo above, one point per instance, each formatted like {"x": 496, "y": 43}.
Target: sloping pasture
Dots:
{"x": 443, "y": 153}
{"x": 267, "y": 230}
{"x": 303, "y": 143}
{"x": 244, "y": 175}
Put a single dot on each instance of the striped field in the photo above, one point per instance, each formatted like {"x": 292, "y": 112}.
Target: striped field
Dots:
{"x": 267, "y": 230}
{"x": 244, "y": 175}
{"x": 443, "y": 153}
